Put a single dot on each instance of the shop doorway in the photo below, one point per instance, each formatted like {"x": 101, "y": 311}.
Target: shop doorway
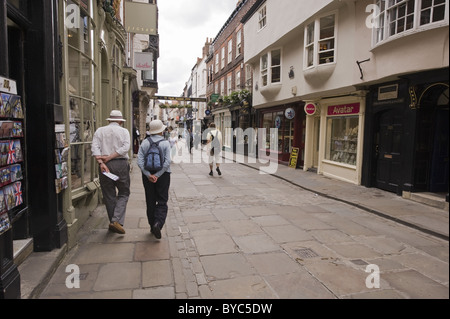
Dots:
{"x": 432, "y": 147}
{"x": 388, "y": 141}
{"x": 316, "y": 143}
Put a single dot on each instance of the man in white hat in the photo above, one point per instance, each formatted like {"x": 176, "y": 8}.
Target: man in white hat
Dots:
{"x": 110, "y": 147}
{"x": 156, "y": 184}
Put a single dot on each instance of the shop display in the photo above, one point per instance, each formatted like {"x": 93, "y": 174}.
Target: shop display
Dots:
{"x": 11, "y": 158}
{"x": 343, "y": 140}
{"x": 61, "y": 158}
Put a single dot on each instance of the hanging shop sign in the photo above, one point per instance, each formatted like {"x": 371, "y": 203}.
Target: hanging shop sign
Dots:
{"x": 140, "y": 18}
{"x": 289, "y": 113}
{"x": 143, "y": 61}
{"x": 345, "y": 109}
{"x": 310, "y": 108}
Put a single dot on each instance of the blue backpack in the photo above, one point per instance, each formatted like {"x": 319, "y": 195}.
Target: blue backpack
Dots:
{"x": 154, "y": 160}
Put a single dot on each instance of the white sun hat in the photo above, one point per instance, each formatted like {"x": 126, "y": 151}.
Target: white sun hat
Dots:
{"x": 116, "y": 115}
{"x": 156, "y": 127}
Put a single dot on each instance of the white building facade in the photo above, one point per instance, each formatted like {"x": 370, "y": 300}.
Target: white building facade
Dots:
{"x": 355, "y": 70}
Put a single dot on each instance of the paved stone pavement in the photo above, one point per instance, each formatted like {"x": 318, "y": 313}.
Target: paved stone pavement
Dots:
{"x": 247, "y": 235}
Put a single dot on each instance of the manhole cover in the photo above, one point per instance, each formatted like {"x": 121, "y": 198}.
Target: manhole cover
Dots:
{"x": 306, "y": 253}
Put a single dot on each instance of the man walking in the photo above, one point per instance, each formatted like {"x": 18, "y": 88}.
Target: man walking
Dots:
{"x": 156, "y": 184}
{"x": 110, "y": 147}
{"x": 214, "y": 141}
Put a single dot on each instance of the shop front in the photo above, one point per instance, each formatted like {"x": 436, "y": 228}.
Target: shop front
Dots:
{"x": 340, "y": 137}
{"x": 289, "y": 123}
{"x": 96, "y": 80}
{"x": 406, "y": 144}
{"x": 31, "y": 216}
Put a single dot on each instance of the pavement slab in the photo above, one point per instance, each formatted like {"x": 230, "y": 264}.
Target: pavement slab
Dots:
{"x": 246, "y": 235}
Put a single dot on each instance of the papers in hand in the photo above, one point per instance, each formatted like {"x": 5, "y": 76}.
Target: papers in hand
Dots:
{"x": 112, "y": 176}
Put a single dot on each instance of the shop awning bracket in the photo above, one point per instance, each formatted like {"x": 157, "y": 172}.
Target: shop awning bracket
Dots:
{"x": 359, "y": 66}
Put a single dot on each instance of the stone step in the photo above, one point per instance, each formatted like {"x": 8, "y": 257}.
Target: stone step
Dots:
{"x": 22, "y": 249}
{"x": 431, "y": 199}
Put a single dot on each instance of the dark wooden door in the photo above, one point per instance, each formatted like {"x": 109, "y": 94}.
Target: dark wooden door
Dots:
{"x": 439, "y": 164}
{"x": 389, "y": 139}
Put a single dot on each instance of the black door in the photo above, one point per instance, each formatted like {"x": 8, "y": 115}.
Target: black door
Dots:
{"x": 439, "y": 163}
{"x": 388, "y": 139}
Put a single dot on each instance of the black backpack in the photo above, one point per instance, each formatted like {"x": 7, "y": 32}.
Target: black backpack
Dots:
{"x": 154, "y": 159}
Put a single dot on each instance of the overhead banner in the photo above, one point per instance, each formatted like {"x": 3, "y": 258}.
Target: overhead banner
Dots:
{"x": 140, "y": 18}
{"x": 179, "y": 99}
{"x": 143, "y": 61}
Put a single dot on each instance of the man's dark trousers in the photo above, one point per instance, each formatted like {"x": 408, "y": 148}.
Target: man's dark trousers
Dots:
{"x": 157, "y": 196}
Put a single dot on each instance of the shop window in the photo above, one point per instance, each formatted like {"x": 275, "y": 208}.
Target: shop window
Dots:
{"x": 81, "y": 109}
{"x": 282, "y": 142}
{"x": 320, "y": 41}
{"x": 118, "y": 57}
{"x": 342, "y": 139}
{"x": 395, "y": 17}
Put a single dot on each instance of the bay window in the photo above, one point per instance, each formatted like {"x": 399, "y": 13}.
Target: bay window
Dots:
{"x": 320, "y": 41}
{"x": 395, "y": 17}
{"x": 271, "y": 67}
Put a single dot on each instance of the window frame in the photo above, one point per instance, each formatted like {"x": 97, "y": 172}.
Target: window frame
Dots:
{"x": 81, "y": 101}
{"x": 314, "y": 48}
{"x": 262, "y": 17}
{"x": 222, "y": 64}
{"x": 238, "y": 43}
{"x": 381, "y": 31}
{"x": 230, "y": 51}
{"x": 268, "y": 72}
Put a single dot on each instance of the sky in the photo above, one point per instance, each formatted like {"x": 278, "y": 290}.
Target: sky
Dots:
{"x": 183, "y": 28}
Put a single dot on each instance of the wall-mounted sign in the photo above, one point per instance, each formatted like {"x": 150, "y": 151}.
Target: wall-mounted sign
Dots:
{"x": 143, "y": 61}
{"x": 310, "y": 108}
{"x": 207, "y": 112}
{"x": 388, "y": 92}
{"x": 345, "y": 109}
{"x": 289, "y": 113}
{"x": 140, "y": 18}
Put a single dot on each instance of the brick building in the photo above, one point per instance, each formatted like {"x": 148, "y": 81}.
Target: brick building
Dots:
{"x": 229, "y": 80}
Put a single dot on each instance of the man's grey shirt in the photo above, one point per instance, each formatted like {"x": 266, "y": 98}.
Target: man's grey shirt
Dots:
{"x": 143, "y": 150}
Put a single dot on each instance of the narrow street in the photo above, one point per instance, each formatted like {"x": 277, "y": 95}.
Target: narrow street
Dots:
{"x": 246, "y": 235}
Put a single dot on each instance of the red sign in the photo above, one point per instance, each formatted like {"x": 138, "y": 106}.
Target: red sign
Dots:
{"x": 310, "y": 109}
{"x": 345, "y": 109}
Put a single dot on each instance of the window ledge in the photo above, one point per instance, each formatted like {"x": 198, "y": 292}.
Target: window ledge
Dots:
{"x": 270, "y": 90}
{"x": 402, "y": 35}
{"x": 319, "y": 74}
